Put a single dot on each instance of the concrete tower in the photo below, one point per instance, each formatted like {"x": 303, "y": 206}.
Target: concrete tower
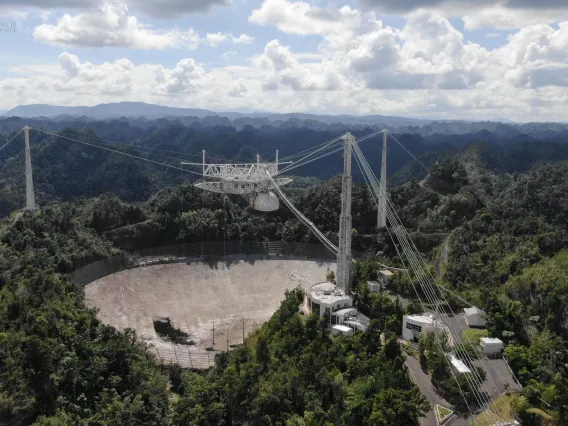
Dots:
{"x": 382, "y": 204}
{"x": 30, "y": 198}
{"x": 344, "y": 254}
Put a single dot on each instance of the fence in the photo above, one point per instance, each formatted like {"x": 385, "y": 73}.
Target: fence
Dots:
{"x": 184, "y": 356}
{"x": 189, "y": 356}
{"x": 207, "y": 252}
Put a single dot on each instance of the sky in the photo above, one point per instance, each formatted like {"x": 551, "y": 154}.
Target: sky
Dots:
{"x": 458, "y": 59}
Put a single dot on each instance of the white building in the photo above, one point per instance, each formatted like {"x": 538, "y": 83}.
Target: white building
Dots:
{"x": 459, "y": 365}
{"x": 492, "y": 346}
{"x": 341, "y": 330}
{"x": 414, "y": 325}
{"x": 474, "y": 317}
{"x": 327, "y": 297}
{"x": 343, "y": 314}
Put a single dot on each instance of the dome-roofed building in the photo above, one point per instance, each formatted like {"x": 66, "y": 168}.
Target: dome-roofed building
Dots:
{"x": 265, "y": 202}
{"x": 327, "y": 297}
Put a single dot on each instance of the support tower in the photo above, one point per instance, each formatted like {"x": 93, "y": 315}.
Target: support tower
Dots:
{"x": 30, "y": 198}
{"x": 382, "y": 202}
{"x": 344, "y": 254}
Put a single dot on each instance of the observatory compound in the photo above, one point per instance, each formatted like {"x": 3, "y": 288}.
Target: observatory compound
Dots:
{"x": 259, "y": 180}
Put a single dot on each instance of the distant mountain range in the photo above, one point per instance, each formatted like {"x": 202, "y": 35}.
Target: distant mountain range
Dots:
{"x": 141, "y": 109}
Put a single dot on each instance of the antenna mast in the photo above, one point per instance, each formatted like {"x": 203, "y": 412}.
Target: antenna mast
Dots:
{"x": 382, "y": 202}
{"x": 30, "y": 198}
{"x": 345, "y": 227}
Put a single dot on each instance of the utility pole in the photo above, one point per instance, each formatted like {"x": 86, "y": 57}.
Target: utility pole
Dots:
{"x": 345, "y": 227}
{"x": 213, "y": 334}
{"x": 30, "y": 198}
{"x": 382, "y": 204}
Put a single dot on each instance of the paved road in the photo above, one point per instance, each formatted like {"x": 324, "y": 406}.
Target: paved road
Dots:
{"x": 424, "y": 383}
{"x": 458, "y": 324}
{"x": 498, "y": 374}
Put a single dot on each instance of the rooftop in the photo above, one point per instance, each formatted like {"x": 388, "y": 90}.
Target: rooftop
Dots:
{"x": 386, "y": 272}
{"x": 427, "y": 318}
{"x": 491, "y": 340}
{"x": 345, "y": 311}
{"x": 342, "y": 328}
{"x": 474, "y": 311}
{"x": 327, "y": 293}
{"x": 459, "y": 365}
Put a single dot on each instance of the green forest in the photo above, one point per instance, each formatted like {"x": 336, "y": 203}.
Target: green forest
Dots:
{"x": 502, "y": 212}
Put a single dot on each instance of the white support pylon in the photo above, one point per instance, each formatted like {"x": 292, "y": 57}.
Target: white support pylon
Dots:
{"x": 345, "y": 227}
{"x": 382, "y": 202}
{"x": 30, "y": 198}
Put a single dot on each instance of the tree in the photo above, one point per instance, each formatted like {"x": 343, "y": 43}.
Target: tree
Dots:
{"x": 393, "y": 407}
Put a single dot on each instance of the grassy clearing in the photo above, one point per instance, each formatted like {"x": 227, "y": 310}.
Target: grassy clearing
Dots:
{"x": 444, "y": 412}
{"x": 473, "y": 334}
{"x": 501, "y": 406}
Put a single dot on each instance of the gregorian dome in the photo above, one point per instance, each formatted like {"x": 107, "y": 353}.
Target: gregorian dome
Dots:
{"x": 265, "y": 202}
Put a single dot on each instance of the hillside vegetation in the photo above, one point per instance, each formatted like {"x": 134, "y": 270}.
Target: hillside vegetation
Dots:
{"x": 507, "y": 218}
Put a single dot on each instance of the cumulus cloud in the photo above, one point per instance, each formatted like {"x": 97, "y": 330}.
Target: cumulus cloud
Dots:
{"x": 159, "y": 9}
{"x": 424, "y": 68}
{"x": 302, "y": 18}
{"x": 242, "y": 39}
{"x": 110, "y": 25}
{"x": 285, "y": 70}
{"x": 215, "y": 39}
{"x": 504, "y": 14}
{"x": 402, "y": 6}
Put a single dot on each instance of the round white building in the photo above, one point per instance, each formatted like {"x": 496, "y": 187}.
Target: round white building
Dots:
{"x": 327, "y": 297}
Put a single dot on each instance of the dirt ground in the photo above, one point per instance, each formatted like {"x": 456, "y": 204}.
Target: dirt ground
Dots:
{"x": 230, "y": 298}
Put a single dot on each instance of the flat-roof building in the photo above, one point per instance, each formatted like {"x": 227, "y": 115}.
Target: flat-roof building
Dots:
{"x": 414, "y": 325}
{"x": 341, "y": 330}
{"x": 474, "y": 317}
{"x": 374, "y": 286}
{"x": 491, "y": 346}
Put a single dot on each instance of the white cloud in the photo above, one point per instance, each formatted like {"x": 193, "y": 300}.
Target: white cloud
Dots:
{"x": 18, "y": 15}
{"x": 285, "y": 70}
{"x": 186, "y": 77}
{"x": 500, "y": 17}
{"x": 424, "y": 68}
{"x": 214, "y": 39}
{"x": 161, "y": 9}
{"x": 501, "y": 14}
{"x": 303, "y": 19}
{"x": 111, "y": 25}
{"x": 243, "y": 39}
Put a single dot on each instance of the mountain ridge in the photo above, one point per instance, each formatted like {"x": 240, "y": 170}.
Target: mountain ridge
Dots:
{"x": 142, "y": 109}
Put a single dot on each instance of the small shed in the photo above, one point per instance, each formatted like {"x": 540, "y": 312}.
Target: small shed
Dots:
{"x": 385, "y": 275}
{"x": 374, "y": 286}
{"x": 342, "y": 330}
{"x": 474, "y": 317}
{"x": 491, "y": 346}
